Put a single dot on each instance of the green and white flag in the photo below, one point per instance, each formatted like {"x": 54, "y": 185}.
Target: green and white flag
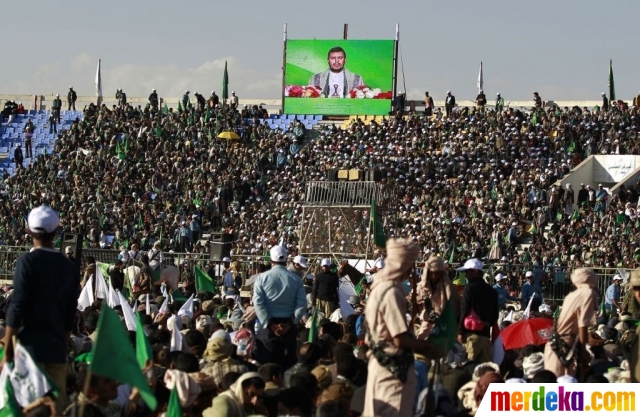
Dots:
{"x": 28, "y": 381}
{"x": 9, "y": 407}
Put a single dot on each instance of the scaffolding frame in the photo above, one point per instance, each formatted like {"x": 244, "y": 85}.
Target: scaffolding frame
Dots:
{"x": 336, "y": 217}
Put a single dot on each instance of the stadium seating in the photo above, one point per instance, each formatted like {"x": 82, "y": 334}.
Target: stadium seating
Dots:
{"x": 283, "y": 121}
{"x": 42, "y": 142}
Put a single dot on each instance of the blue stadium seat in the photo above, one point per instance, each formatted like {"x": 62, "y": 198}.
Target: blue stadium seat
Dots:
{"x": 317, "y": 117}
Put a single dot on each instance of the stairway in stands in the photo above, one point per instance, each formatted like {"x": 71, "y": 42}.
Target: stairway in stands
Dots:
{"x": 43, "y": 142}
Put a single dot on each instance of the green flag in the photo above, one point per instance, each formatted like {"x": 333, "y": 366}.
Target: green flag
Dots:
{"x": 114, "y": 357}
{"x": 144, "y": 354}
{"x": 204, "y": 283}
{"x": 174, "y": 409}
{"x": 620, "y": 218}
{"x": 575, "y": 215}
{"x": 313, "y": 331}
{"x": 267, "y": 256}
{"x": 453, "y": 252}
{"x": 179, "y": 106}
{"x": 612, "y": 87}
{"x": 165, "y": 109}
{"x": 445, "y": 331}
{"x": 104, "y": 268}
{"x": 360, "y": 287}
{"x": 9, "y": 404}
{"x": 534, "y": 119}
{"x": 556, "y": 314}
{"x": 225, "y": 83}
{"x": 379, "y": 239}
{"x": 603, "y": 310}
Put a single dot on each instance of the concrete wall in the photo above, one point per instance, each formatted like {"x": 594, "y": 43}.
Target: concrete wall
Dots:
{"x": 629, "y": 181}
{"x": 607, "y": 170}
{"x": 612, "y": 169}
{"x": 583, "y": 173}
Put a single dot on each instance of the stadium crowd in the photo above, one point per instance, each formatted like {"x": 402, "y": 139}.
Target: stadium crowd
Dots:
{"x": 471, "y": 185}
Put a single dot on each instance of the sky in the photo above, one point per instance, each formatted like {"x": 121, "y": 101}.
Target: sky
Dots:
{"x": 560, "y": 48}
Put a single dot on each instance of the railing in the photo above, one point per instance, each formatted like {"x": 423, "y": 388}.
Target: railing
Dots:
{"x": 554, "y": 281}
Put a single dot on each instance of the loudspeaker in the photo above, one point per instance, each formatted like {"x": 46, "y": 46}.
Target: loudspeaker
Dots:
{"x": 220, "y": 246}
{"x": 356, "y": 175}
{"x": 373, "y": 175}
{"x": 74, "y": 243}
{"x": 343, "y": 175}
{"x": 332, "y": 175}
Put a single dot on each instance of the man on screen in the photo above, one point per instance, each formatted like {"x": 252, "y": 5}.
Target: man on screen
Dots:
{"x": 337, "y": 81}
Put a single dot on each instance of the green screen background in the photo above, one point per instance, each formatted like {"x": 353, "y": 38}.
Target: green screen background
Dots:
{"x": 371, "y": 59}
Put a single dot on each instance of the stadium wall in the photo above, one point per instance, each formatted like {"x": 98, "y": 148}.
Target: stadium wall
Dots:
{"x": 34, "y": 101}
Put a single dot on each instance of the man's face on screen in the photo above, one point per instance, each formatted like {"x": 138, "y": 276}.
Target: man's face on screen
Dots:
{"x": 336, "y": 61}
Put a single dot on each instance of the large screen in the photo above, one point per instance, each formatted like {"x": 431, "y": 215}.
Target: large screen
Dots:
{"x": 339, "y": 77}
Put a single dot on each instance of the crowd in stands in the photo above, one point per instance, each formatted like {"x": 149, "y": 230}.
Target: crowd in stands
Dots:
{"x": 470, "y": 185}
{"x": 473, "y": 183}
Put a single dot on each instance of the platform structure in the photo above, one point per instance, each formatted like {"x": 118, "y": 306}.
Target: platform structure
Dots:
{"x": 337, "y": 217}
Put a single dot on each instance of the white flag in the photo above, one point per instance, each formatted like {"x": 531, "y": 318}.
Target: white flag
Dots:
{"x": 527, "y": 311}
{"x": 509, "y": 317}
{"x": 98, "y": 84}
{"x": 102, "y": 291}
{"x": 29, "y": 383}
{"x": 176, "y": 336}
{"x": 129, "y": 316}
{"x": 148, "y": 309}
{"x": 86, "y": 296}
{"x": 164, "y": 307}
{"x": 480, "y": 79}
{"x": 187, "y": 309}
{"x": 112, "y": 300}
{"x": 135, "y": 305}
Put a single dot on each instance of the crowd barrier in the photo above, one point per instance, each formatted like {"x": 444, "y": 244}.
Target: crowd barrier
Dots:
{"x": 554, "y": 281}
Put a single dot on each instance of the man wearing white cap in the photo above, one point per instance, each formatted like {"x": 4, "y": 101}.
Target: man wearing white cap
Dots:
{"x": 234, "y": 100}
{"x": 280, "y": 301}
{"x": 325, "y": 289}
{"x": 43, "y": 304}
{"x": 503, "y": 294}
{"x": 478, "y": 313}
{"x": 228, "y": 279}
{"x": 299, "y": 266}
{"x": 612, "y": 296}
{"x": 528, "y": 291}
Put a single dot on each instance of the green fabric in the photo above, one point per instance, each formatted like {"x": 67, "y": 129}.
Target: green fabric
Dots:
{"x": 174, "y": 409}
{"x": 204, "y": 283}
{"x": 84, "y": 357}
{"x": 612, "y": 87}
{"x": 143, "y": 348}
{"x": 225, "y": 83}
{"x": 11, "y": 407}
{"x": 114, "y": 357}
{"x": 445, "y": 332}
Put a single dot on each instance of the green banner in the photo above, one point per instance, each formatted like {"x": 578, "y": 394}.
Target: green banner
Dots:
{"x": 339, "y": 77}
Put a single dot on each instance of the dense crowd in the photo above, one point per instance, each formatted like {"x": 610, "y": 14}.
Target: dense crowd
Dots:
{"x": 473, "y": 183}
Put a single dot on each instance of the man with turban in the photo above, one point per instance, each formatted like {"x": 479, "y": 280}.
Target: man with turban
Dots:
{"x": 572, "y": 327}
{"x": 435, "y": 290}
{"x": 389, "y": 337}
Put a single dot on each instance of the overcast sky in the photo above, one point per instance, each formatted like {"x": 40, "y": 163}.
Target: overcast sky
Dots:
{"x": 558, "y": 48}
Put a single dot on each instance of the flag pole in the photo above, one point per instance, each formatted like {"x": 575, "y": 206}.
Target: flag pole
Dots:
{"x": 85, "y": 391}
